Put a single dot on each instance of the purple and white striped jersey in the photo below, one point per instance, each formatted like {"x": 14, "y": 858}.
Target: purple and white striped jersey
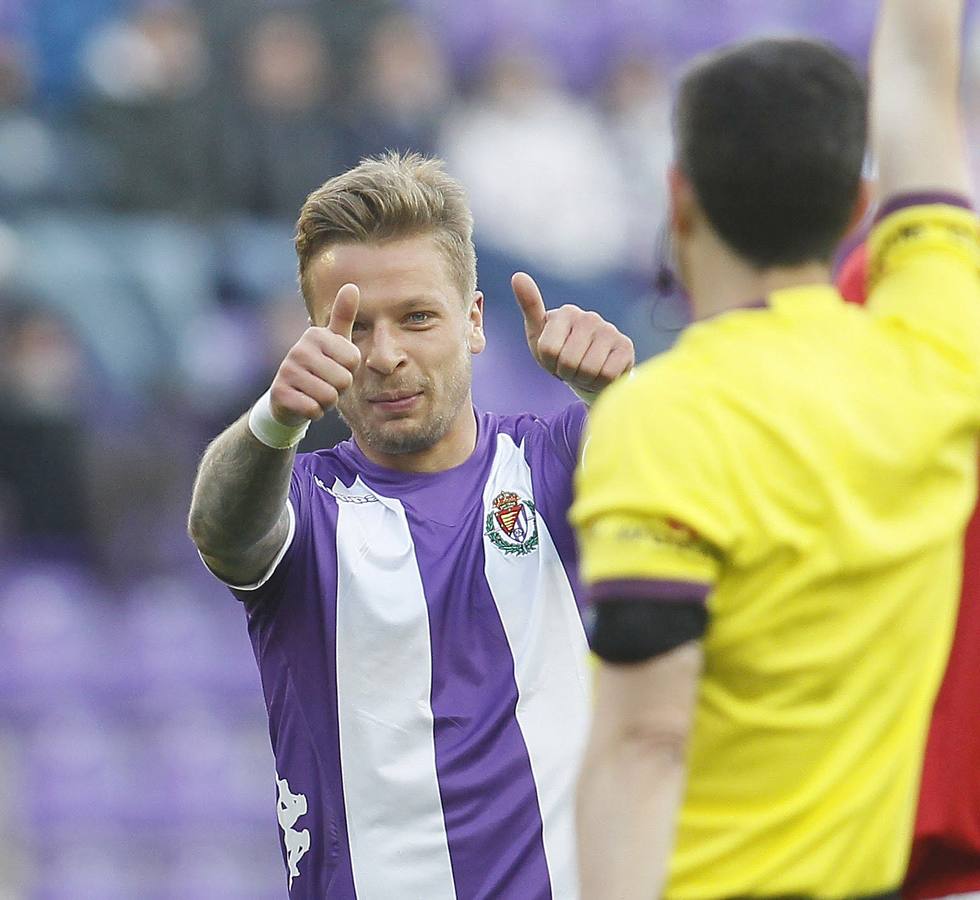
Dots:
{"x": 424, "y": 668}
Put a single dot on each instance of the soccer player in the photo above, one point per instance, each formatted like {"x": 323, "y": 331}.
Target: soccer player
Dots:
{"x": 945, "y": 856}
{"x": 408, "y": 592}
{"x": 771, "y": 514}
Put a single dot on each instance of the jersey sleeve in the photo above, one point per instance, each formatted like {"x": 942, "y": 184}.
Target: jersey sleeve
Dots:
{"x": 924, "y": 274}
{"x": 566, "y": 431}
{"x": 270, "y": 584}
{"x": 557, "y": 437}
{"x": 551, "y": 447}
{"x": 652, "y": 508}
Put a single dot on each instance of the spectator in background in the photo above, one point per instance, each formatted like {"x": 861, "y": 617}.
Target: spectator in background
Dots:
{"x": 636, "y": 104}
{"x": 57, "y": 33}
{"x": 27, "y": 146}
{"x": 284, "y": 138}
{"x": 146, "y": 75}
{"x": 405, "y": 88}
{"x": 41, "y": 159}
{"x": 540, "y": 170}
{"x": 343, "y": 24}
{"x": 42, "y": 386}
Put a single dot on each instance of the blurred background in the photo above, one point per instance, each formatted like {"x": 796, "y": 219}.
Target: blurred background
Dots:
{"x": 153, "y": 157}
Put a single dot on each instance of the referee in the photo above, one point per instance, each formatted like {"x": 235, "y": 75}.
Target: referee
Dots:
{"x": 771, "y": 514}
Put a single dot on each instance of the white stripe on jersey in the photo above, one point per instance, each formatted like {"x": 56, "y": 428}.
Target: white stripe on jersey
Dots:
{"x": 547, "y": 640}
{"x": 384, "y": 675}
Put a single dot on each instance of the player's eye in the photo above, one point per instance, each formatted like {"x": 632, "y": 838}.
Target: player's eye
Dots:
{"x": 418, "y": 318}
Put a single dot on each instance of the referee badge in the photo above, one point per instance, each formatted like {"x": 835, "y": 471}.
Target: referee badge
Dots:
{"x": 511, "y": 524}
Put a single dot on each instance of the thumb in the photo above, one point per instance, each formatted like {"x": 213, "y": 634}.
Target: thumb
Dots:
{"x": 531, "y": 302}
{"x": 344, "y": 310}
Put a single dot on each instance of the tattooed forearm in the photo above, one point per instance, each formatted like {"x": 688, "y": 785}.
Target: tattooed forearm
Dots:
{"x": 238, "y": 515}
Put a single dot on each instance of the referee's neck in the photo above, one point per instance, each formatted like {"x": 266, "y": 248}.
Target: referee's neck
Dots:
{"x": 720, "y": 281}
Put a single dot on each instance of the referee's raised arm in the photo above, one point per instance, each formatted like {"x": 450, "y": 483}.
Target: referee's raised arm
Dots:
{"x": 916, "y": 124}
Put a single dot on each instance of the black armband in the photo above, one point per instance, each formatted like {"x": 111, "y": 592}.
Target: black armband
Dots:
{"x": 632, "y": 631}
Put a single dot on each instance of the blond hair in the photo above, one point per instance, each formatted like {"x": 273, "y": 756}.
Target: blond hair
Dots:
{"x": 388, "y": 197}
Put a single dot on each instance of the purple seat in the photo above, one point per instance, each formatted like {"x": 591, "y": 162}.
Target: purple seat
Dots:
{"x": 178, "y": 642}
{"x": 212, "y": 865}
{"x": 52, "y": 639}
{"x": 194, "y": 755}
{"x": 78, "y": 772}
{"x": 170, "y": 636}
{"x": 102, "y": 864}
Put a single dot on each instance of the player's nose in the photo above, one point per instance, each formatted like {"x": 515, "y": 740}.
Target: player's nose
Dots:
{"x": 385, "y": 352}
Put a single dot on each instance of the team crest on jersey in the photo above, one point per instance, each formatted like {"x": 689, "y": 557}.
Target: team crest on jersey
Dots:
{"x": 512, "y": 525}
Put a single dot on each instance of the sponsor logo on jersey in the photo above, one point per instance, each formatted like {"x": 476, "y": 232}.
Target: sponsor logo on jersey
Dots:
{"x": 512, "y": 524}
{"x": 343, "y": 497}
{"x": 290, "y": 808}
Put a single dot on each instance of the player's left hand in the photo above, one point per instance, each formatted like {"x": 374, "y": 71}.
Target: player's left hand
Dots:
{"x": 579, "y": 346}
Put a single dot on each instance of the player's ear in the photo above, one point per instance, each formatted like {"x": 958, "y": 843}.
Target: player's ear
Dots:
{"x": 476, "y": 340}
{"x": 683, "y": 205}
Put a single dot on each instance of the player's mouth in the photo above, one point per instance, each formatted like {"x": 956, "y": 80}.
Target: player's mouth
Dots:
{"x": 396, "y": 402}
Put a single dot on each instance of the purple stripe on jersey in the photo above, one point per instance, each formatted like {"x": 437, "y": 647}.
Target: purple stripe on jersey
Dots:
{"x": 649, "y": 589}
{"x": 307, "y": 748}
{"x": 551, "y": 479}
{"x": 341, "y": 883}
{"x": 489, "y": 798}
{"x": 922, "y": 198}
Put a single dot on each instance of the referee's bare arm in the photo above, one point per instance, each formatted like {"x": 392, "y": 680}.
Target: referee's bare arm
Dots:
{"x": 238, "y": 517}
{"x": 633, "y": 772}
{"x": 916, "y": 124}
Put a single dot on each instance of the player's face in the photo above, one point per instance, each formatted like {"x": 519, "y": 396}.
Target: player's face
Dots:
{"x": 417, "y": 335}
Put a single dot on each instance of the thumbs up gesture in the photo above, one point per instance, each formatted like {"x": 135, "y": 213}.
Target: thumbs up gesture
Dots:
{"x": 579, "y": 346}
{"x": 320, "y": 366}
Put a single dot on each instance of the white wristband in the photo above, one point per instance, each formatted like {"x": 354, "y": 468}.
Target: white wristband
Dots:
{"x": 269, "y": 430}
{"x": 586, "y": 396}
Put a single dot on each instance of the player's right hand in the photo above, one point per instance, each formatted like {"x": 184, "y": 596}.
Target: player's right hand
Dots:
{"x": 320, "y": 366}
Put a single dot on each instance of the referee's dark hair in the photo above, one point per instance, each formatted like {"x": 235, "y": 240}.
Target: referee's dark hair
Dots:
{"x": 771, "y": 135}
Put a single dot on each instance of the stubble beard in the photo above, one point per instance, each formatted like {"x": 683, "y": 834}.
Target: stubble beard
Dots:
{"x": 394, "y": 438}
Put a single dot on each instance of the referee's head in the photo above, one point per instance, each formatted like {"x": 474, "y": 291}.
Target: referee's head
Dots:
{"x": 770, "y": 139}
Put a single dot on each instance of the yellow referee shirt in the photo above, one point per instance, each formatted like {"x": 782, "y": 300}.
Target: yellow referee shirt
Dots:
{"x": 809, "y": 466}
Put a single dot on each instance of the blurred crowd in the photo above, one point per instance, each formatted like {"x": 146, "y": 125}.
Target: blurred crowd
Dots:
{"x": 153, "y": 158}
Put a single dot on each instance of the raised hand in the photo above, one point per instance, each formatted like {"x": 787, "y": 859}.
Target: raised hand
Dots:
{"x": 579, "y": 346}
{"x": 320, "y": 366}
